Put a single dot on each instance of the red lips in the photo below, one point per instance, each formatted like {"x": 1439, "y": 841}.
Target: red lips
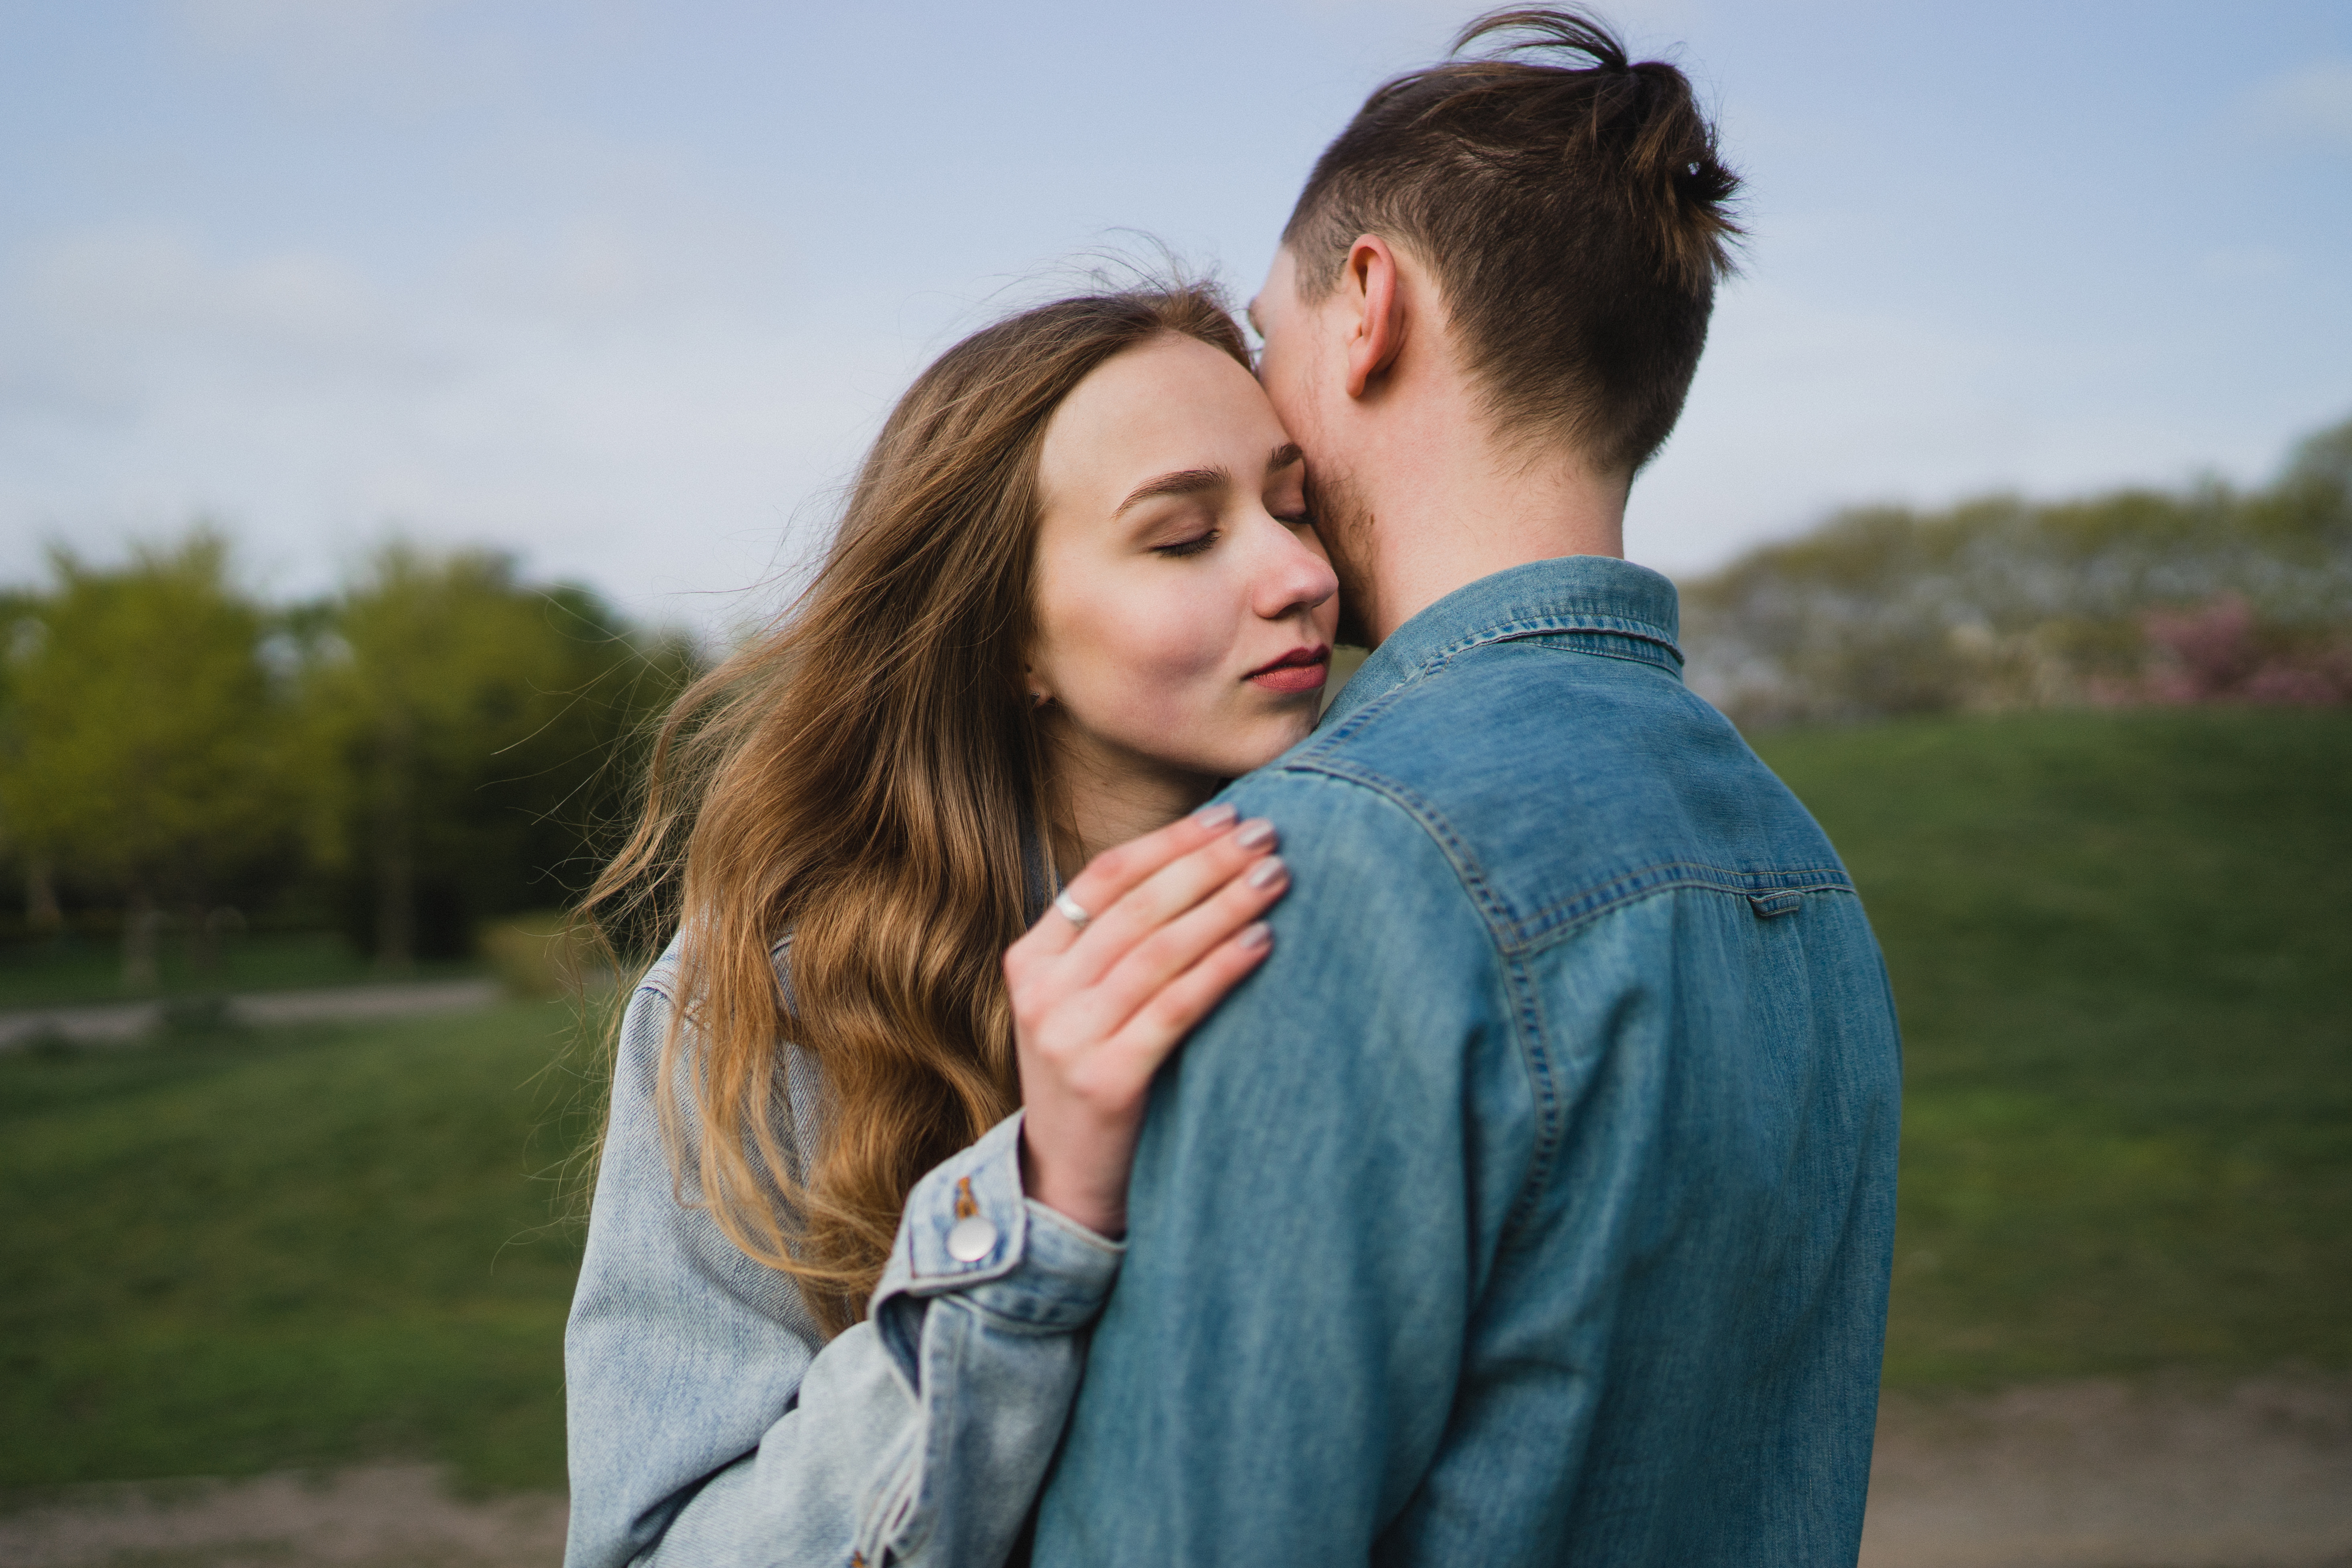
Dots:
{"x": 1300, "y": 670}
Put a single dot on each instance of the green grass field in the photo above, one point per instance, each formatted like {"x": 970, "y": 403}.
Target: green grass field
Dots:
{"x": 2122, "y": 948}
{"x": 2122, "y": 945}
{"x": 78, "y": 970}
{"x": 234, "y": 1253}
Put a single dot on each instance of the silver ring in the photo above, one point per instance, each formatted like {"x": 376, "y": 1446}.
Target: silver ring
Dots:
{"x": 1070, "y": 909}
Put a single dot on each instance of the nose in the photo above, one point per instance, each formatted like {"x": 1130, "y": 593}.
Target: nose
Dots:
{"x": 1293, "y": 577}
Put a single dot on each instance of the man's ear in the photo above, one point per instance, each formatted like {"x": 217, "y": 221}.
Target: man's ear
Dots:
{"x": 1377, "y": 334}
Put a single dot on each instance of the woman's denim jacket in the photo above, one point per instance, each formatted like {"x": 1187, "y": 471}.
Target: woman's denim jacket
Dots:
{"x": 710, "y": 1421}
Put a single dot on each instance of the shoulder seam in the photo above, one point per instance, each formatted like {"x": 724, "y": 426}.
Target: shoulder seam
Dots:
{"x": 1431, "y": 822}
{"x": 1516, "y": 934}
{"x": 1522, "y": 1001}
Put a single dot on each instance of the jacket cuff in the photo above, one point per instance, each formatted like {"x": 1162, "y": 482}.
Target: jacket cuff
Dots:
{"x": 969, "y": 1227}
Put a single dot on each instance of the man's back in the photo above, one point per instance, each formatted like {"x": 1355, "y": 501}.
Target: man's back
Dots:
{"x": 1533, "y": 1204}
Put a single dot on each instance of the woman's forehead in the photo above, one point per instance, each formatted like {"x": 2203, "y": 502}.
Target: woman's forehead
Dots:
{"x": 1170, "y": 405}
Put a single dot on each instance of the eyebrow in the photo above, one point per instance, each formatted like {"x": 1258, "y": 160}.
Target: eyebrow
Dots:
{"x": 1183, "y": 482}
{"x": 1193, "y": 481}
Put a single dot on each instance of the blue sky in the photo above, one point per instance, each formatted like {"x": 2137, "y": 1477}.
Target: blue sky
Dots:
{"x": 625, "y": 288}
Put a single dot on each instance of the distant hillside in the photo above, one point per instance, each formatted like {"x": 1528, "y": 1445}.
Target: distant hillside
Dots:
{"x": 2004, "y": 602}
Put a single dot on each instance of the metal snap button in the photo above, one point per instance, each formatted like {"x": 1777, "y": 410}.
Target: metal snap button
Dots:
{"x": 971, "y": 1238}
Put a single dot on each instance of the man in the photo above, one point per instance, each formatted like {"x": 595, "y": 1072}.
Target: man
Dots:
{"x": 1533, "y": 1203}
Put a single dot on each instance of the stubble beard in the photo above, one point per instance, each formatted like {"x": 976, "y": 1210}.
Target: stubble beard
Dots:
{"x": 1345, "y": 526}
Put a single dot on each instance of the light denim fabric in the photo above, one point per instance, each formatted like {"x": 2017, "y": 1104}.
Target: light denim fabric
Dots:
{"x": 1533, "y": 1202}
{"x": 711, "y": 1425}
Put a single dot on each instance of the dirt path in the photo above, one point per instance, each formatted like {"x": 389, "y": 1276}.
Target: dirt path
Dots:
{"x": 119, "y": 1023}
{"x": 2098, "y": 1475}
{"x": 2255, "y": 1475}
{"x": 383, "y": 1516}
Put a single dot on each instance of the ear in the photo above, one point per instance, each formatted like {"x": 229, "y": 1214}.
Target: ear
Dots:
{"x": 1369, "y": 282}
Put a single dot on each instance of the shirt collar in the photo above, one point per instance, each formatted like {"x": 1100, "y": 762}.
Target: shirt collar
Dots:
{"x": 1571, "y": 593}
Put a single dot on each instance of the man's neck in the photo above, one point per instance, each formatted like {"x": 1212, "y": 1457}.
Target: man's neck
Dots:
{"x": 1468, "y": 513}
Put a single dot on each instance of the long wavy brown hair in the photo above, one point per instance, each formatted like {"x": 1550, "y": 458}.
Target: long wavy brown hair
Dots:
{"x": 869, "y": 779}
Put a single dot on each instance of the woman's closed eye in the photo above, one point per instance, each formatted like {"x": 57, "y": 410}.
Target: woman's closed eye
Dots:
{"x": 1192, "y": 546}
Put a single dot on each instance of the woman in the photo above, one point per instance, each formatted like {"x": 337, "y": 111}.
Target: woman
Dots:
{"x": 1075, "y": 588}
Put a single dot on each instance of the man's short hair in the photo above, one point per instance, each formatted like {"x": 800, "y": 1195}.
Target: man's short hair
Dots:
{"x": 1574, "y": 215}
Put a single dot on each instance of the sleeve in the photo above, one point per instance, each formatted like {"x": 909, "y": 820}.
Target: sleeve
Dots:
{"x": 1320, "y": 1186}
{"x": 711, "y": 1425}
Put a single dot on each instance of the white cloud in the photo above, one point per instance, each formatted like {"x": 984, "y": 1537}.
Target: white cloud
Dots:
{"x": 1807, "y": 402}
{"x": 105, "y": 300}
{"x": 2311, "y": 104}
{"x": 1636, "y": 16}
{"x": 1370, "y": 40}
{"x": 311, "y": 30}
{"x": 2247, "y": 263}
{"x": 636, "y": 402}
{"x": 378, "y": 54}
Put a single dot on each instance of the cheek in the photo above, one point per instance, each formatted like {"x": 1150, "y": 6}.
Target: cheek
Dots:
{"x": 1151, "y": 669}
{"x": 1148, "y": 645}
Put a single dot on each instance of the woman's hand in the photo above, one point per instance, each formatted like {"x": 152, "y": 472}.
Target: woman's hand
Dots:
{"x": 1173, "y": 925}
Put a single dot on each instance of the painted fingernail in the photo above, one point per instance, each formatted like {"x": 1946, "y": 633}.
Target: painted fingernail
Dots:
{"x": 1216, "y": 814}
{"x": 1268, "y": 872}
{"x": 1254, "y": 834}
{"x": 1257, "y": 934}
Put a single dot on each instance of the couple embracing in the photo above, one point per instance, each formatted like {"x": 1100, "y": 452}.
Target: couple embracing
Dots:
{"x": 1095, "y": 1111}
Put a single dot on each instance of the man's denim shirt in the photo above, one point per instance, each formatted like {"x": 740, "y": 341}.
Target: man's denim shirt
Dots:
{"x": 1533, "y": 1202}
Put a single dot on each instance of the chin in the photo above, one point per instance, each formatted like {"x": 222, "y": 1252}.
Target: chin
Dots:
{"x": 1280, "y": 740}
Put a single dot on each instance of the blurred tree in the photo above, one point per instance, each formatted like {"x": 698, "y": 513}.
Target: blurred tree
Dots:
{"x": 472, "y": 734}
{"x": 145, "y": 741}
{"x": 2323, "y": 461}
{"x": 20, "y": 631}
